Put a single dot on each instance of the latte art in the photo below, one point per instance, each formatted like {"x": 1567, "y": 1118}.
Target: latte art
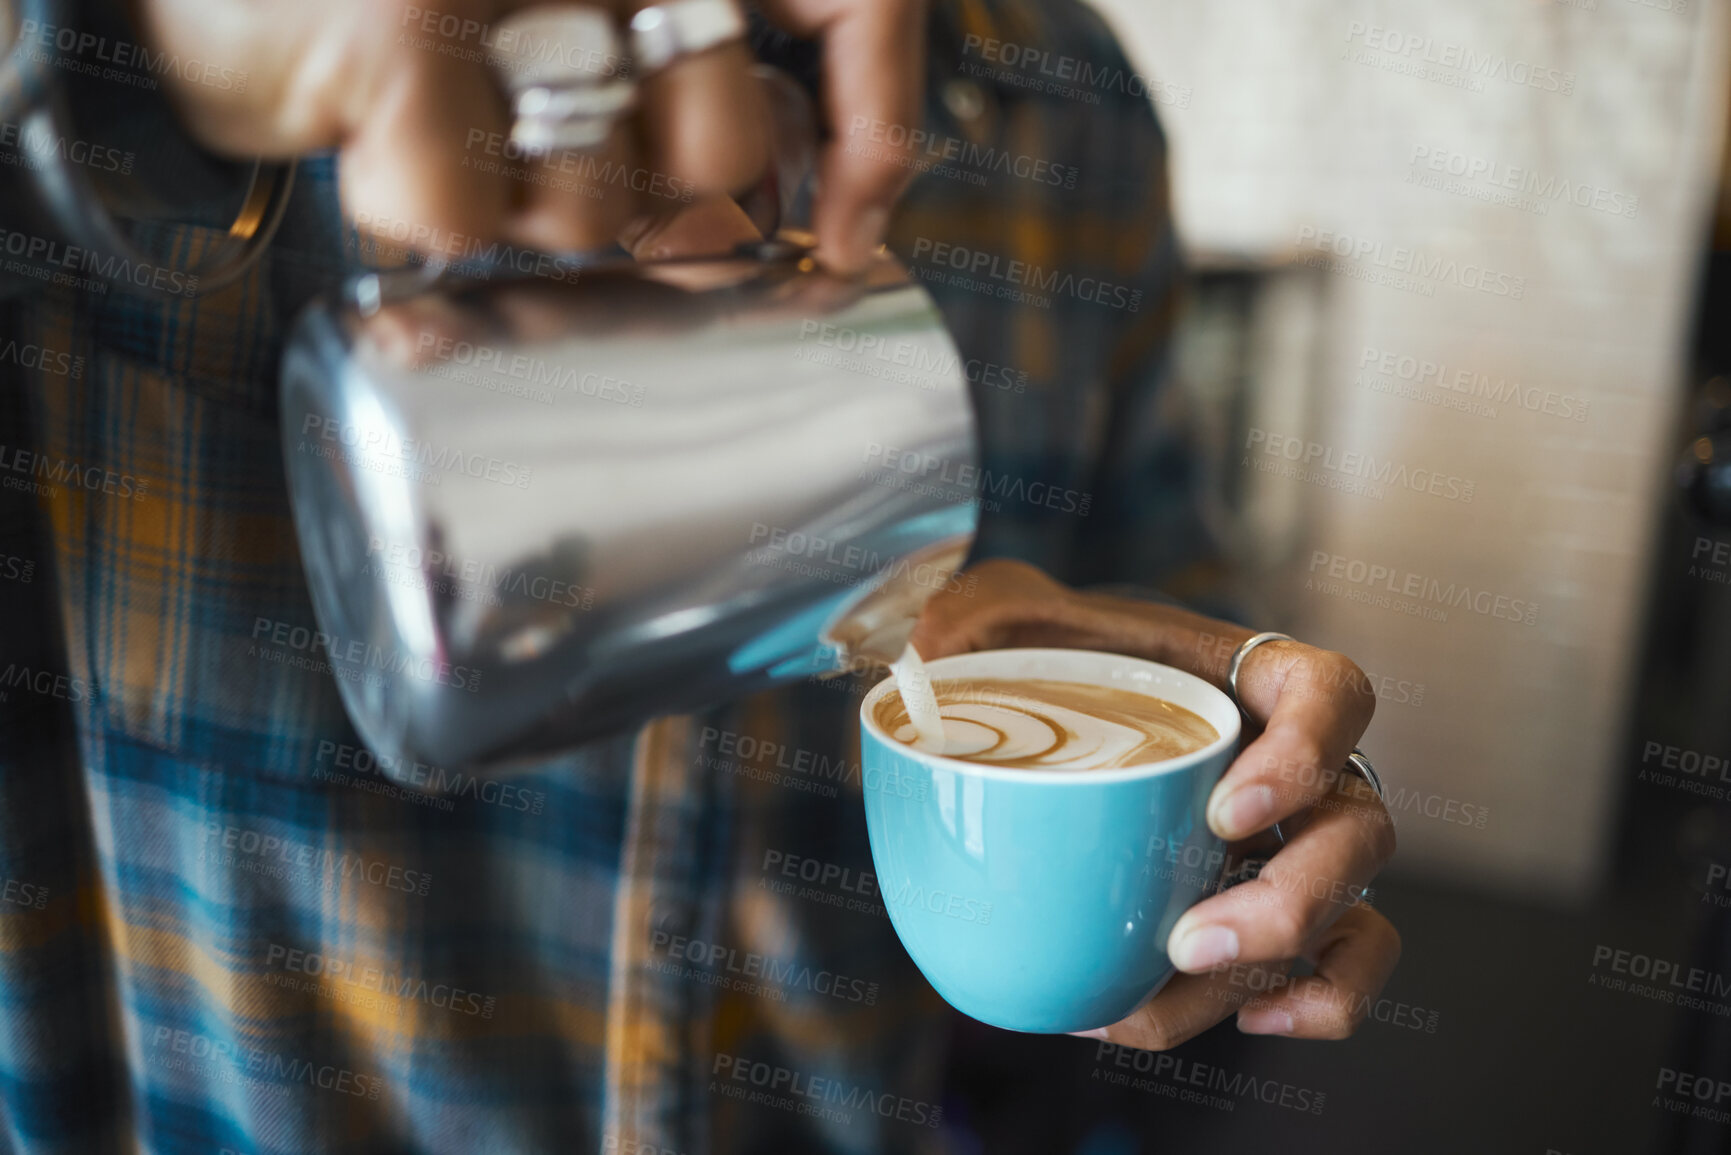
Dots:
{"x": 1033, "y": 724}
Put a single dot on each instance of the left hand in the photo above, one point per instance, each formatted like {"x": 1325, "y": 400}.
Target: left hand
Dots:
{"x": 1233, "y": 950}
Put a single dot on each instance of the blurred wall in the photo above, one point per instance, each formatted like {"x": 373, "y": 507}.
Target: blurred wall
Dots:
{"x": 1506, "y": 200}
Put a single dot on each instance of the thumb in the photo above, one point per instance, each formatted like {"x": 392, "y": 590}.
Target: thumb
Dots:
{"x": 953, "y": 623}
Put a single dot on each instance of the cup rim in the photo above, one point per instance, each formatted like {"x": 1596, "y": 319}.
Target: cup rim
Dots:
{"x": 1227, "y": 739}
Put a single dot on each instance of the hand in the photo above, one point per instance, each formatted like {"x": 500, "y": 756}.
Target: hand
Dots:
{"x": 1233, "y": 950}
{"x": 405, "y": 93}
{"x": 420, "y": 330}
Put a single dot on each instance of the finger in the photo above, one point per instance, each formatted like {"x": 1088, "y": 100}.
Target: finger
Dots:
{"x": 1312, "y": 882}
{"x": 951, "y": 624}
{"x": 873, "y": 64}
{"x": 711, "y": 224}
{"x": 1184, "y": 1008}
{"x": 404, "y": 179}
{"x": 1354, "y": 960}
{"x": 1001, "y": 604}
{"x": 1317, "y": 705}
{"x": 703, "y": 120}
{"x": 576, "y": 201}
{"x": 566, "y": 199}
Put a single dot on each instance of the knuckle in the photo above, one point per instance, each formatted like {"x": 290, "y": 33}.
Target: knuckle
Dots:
{"x": 1338, "y": 1023}
{"x": 1300, "y": 772}
{"x": 728, "y": 165}
{"x": 1287, "y": 926}
{"x": 1388, "y": 938}
{"x": 1335, "y": 1015}
{"x": 707, "y": 128}
{"x": 1153, "y": 1032}
{"x": 1014, "y": 584}
{"x": 881, "y": 178}
{"x": 1356, "y": 685}
{"x": 1159, "y": 1038}
{"x": 1383, "y": 840}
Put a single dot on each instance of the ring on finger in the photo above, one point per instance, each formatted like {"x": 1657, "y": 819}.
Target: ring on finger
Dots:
{"x": 1357, "y": 762}
{"x": 662, "y": 33}
{"x": 1237, "y": 661}
{"x": 564, "y": 70}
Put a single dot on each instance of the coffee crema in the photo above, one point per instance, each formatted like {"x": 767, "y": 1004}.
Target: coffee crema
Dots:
{"x": 1036, "y": 724}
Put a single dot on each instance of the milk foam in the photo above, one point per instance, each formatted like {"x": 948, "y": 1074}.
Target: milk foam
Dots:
{"x": 1049, "y": 725}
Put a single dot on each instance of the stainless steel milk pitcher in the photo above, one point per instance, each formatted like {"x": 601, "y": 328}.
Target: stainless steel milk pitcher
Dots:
{"x": 540, "y": 508}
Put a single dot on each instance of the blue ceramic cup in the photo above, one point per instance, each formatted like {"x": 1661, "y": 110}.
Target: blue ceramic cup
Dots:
{"x": 1041, "y": 900}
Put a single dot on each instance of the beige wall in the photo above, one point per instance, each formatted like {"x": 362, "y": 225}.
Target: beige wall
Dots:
{"x": 1283, "y": 127}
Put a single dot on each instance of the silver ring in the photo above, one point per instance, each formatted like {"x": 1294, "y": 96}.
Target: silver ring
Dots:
{"x": 1242, "y": 652}
{"x": 1356, "y": 762}
{"x": 564, "y": 68}
{"x": 662, "y": 33}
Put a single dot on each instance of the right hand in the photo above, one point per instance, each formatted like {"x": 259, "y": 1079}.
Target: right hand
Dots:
{"x": 412, "y": 110}
{"x": 1311, "y": 706}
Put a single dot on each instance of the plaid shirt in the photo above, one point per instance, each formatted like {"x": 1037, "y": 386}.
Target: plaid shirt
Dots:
{"x": 224, "y": 928}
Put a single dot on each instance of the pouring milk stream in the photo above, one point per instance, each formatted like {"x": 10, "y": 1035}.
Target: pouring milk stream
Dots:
{"x": 915, "y": 686}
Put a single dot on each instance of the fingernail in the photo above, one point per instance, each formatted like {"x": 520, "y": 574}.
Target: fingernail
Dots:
{"x": 1096, "y": 1033}
{"x": 1204, "y": 947}
{"x": 868, "y": 233}
{"x": 1265, "y": 1022}
{"x": 1244, "y": 812}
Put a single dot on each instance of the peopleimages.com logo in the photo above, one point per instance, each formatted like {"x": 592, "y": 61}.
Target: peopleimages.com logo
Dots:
{"x": 300, "y": 641}
{"x": 1448, "y": 61}
{"x": 1204, "y": 1084}
{"x": 58, "y": 263}
{"x": 468, "y": 579}
{"x": 1415, "y": 594}
{"x": 1462, "y": 387}
{"x": 1015, "y": 280}
{"x": 804, "y": 1093}
{"x": 930, "y": 149}
{"x": 1040, "y": 69}
{"x": 461, "y": 37}
{"x": 31, "y": 142}
{"x": 916, "y": 357}
{"x": 1350, "y": 470}
{"x": 1542, "y": 187}
{"x": 916, "y": 471}
{"x": 45, "y": 473}
{"x": 293, "y": 968}
{"x": 364, "y": 764}
{"x": 120, "y": 60}
{"x": 425, "y": 460}
{"x": 235, "y": 1063}
{"x": 24, "y": 894}
{"x": 757, "y": 973}
{"x": 499, "y": 370}
{"x": 1405, "y": 267}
